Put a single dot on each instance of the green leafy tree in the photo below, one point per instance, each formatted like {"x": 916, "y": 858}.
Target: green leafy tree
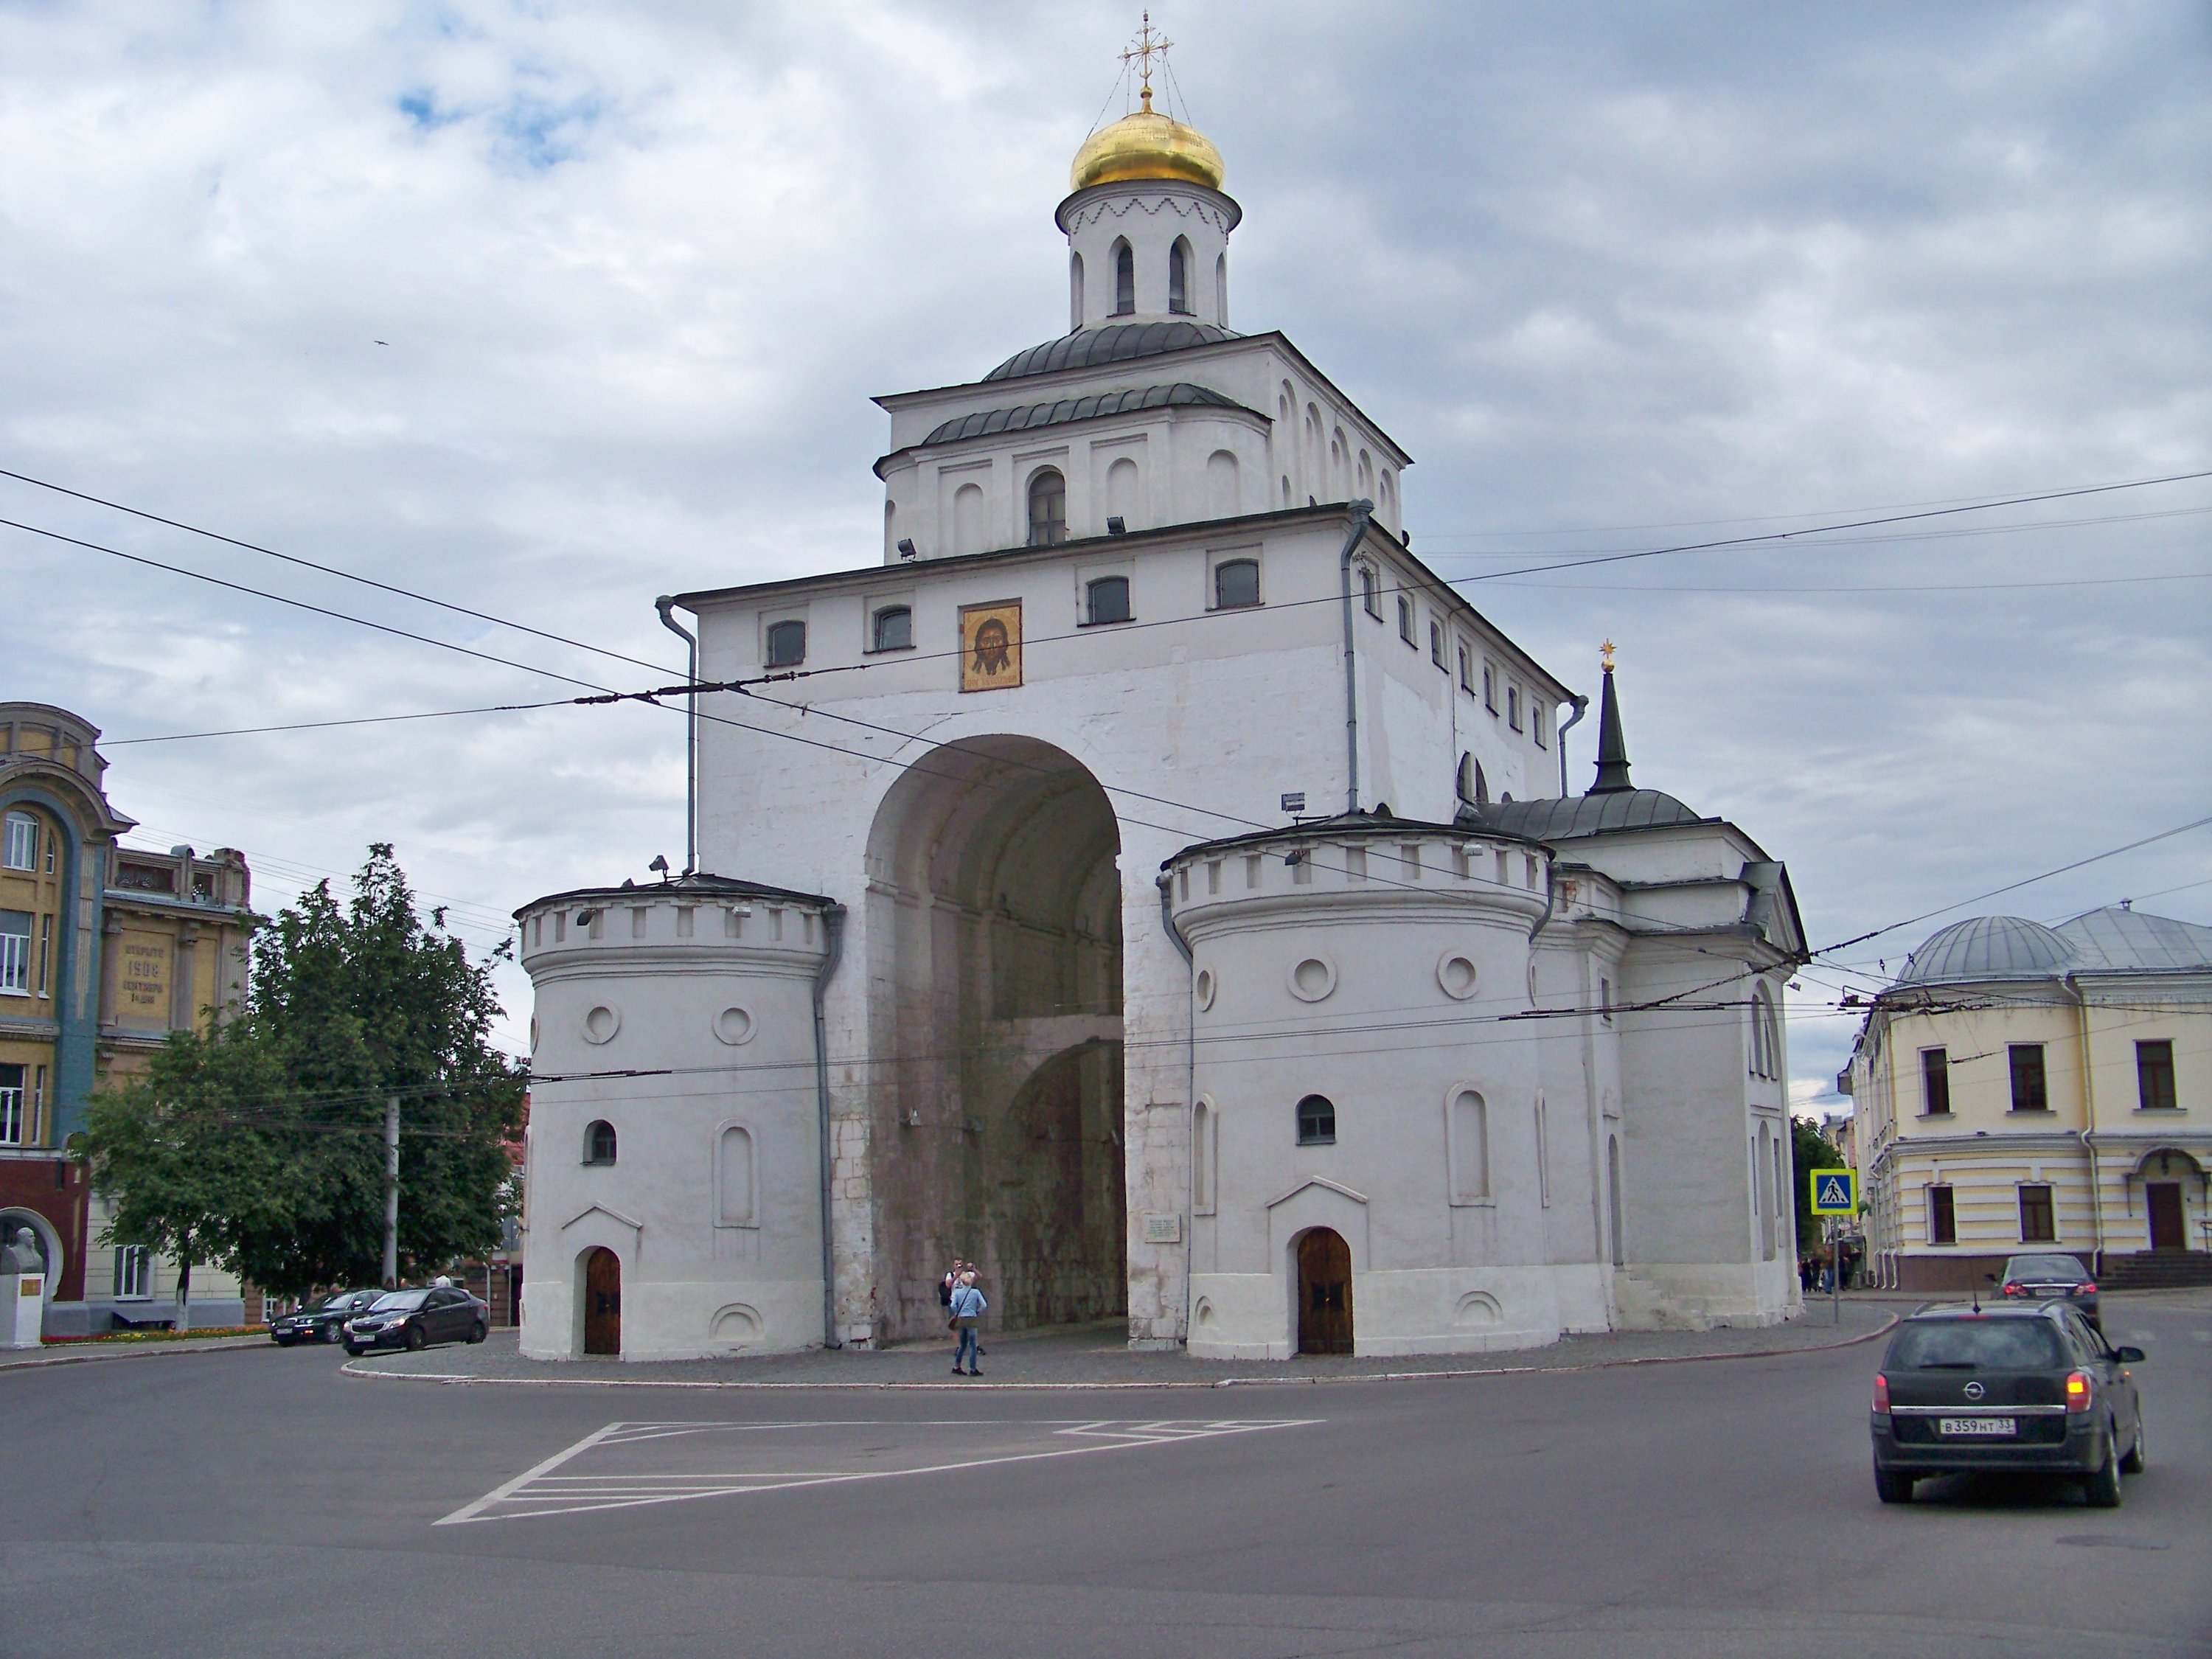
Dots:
{"x": 1809, "y": 1150}
{"x": 260, "y": 1147}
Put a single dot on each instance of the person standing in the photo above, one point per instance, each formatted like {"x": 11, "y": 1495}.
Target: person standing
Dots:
{"x": 968, "y": 1307}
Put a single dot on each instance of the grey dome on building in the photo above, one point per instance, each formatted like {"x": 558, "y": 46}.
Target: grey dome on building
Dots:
{"x": 1989, "y": 948}
{"x": 1087, "y": 348}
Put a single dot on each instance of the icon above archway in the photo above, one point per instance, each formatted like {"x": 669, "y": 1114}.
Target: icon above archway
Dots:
{"x": 991, "y": 646}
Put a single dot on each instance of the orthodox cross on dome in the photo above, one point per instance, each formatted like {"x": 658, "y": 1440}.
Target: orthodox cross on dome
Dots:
{"x": 1149, "y": 43}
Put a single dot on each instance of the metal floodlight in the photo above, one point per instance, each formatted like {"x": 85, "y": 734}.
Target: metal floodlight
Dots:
{"x": 659, "y": 863}
{"x": 1117, "y": 526}
{"x": 906, "y": 547}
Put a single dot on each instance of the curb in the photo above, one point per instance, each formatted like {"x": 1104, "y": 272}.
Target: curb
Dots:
{"x": 352, "y": 1368}
{"x": 149, "y": 1351}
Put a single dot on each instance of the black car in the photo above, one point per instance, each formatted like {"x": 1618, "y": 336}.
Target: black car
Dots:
{"x": 415, "y": 1319}
{"x": 2007, "y": 1387}
{"x": 2039, "y": 1277}
{"x": 322, "y": 1319}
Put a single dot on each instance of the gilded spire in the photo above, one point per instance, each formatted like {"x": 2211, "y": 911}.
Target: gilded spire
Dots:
{"x": 1146, "y": 143}
{"x": 1612, "y": 747}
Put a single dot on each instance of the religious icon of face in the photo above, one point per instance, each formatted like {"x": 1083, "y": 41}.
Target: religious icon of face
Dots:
{"x": 991, "y": 648}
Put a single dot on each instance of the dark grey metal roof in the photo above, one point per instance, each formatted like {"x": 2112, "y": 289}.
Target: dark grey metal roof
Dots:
{"x": 2115, "y": 940}
{"x": 1114, "y": 343}
{"x": 1023, "y": 416}
{"x": 1989, "y": 948}
{"x": 1552, "y": 818}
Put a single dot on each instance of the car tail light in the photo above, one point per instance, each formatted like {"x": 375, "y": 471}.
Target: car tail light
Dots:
{"x": 2015, "y": 1288}
{"x": 2085, "y": 1288}
{"x": 2077, "y": 1391}
{"x": 1880, "y": 1393}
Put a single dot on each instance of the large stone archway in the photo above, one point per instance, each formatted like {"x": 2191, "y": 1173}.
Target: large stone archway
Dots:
{"x": 995, "y": 1002}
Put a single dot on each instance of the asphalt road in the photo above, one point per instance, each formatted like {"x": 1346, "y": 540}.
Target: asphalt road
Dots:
{"x": 257, "y": 1502}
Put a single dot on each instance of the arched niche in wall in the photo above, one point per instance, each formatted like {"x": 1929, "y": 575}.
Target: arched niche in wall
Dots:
{"x": 735, "y": 1185}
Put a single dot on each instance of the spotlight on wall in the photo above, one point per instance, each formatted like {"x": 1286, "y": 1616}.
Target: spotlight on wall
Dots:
{"x": 906, "y": 547}
{"x": 1117, "y": 526}
{"x": 660, "y": 865}
{"x": 584, "y": 917}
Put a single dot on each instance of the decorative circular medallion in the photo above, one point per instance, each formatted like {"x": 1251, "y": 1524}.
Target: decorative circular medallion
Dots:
{"x": 1313, "y": 979}
{"x": 734, "y": 1025}
{"x": 1456, "y": 973}
{"x": 601, "y": 1024}
{"x": 1203, "y": 987}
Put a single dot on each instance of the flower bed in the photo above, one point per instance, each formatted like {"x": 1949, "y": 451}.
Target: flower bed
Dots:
{"x": 153, "y": 1336}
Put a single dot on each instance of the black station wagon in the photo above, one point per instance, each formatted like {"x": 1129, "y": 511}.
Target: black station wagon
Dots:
{"x": 2006, "y": 1387}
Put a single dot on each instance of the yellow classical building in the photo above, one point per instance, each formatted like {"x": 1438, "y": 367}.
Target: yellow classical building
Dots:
{"x": 105, "y": 949}
{"x": 2023, "y": 1086}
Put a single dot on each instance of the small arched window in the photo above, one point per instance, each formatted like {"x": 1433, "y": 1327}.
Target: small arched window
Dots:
{"x": 1473, "y": 788}
{"x": 1316, "y": 1121}
{"x": 892, "y": 629}
{"x": 1179, "y": 277}
{"x": 1124, "y": 281}
{"x": 1075, "y": 291}
{"x": 786, "y": 644}
{"x": 1235, "y": 584}
{"x": 1405, "y": 620}
{"x": 1106, "y": 600}
{"x": 1048, "y": 508}
{"x": 1368, "y": 594}
{"x": 1436, "y": 643}
{"x": 599, "y": 1142}
{"x": 1221, "y": 291}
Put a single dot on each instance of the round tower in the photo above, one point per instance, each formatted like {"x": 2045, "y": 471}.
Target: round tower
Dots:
{"x": 1147, "y": 224}
{"x": 1370, "y": 1161}
{"x": 674, "y": 1199}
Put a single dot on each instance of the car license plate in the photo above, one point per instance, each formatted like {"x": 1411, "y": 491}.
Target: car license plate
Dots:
{"x": 1963, "y": 1425}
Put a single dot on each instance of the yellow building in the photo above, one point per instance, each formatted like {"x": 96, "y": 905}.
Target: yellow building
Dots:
{"x": 2023, "y": 1086}
{"x": 104, "y": 951}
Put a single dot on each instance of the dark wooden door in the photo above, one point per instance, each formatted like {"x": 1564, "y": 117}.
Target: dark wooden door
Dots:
{"x": 2164, "y": 1199}
{"x": 1324, "y": 1293}
{"x": 602, "y": 1302}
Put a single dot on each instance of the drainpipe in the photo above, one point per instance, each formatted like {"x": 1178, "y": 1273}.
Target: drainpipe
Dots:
{"x": 665, "y": 605}
{"x": 1362, "y": 511}
{"x": 1190, "y": 1083}
{"x": 1581, "y": 708}
{"x": 2088, "y": 1135}
{"x": 833, "y": 927}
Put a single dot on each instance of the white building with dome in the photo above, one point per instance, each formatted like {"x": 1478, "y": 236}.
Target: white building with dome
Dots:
{"x": 1144, "y": 877}
{"x": 2023, "y": 1087}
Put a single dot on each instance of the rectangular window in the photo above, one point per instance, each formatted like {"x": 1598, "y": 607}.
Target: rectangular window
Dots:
{"x": 35, "y": 1135}
{"x": 15, "y": 952}
{"x": 2154, "y": 1076}
{"x": 15, "y": 1113}
{"x": 134, "y": 1271}
{"x": 1466, "y": 671}
{"x": 1942, "y": 1221}
{"x": 20, "y": 850}
{"x": 1489, "y": 687}
{"x": 2038, "y": 1225}
{"x": 2029, "y": 1093}
{"x": 1513, "y": 707}
{"x": 1936, "y": 1082}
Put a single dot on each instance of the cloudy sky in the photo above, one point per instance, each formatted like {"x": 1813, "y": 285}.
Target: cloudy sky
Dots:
{"x": 545, "y": 309}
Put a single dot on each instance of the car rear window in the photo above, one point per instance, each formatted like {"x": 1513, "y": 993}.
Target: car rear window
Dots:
{"x": 1990, "y": 1344}
{"x": 2047, "y": 1267}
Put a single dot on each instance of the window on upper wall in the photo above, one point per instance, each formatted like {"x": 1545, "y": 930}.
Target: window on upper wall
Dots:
{"x": 1489, "y": 687}
{"x": 599, "y": 1142}
{"x": 1436, "y": 643}
{"x": 1316, "y": 1121}
{"x": 1537, "y": 723}
{"x": 2029, "y": 1093}
{"x": 1048, "y": 508}
{"x": 1513, "y": 707}
{"x": 1235, "y": 584}
{"x": 19, "y": 848}
{"x": 1179, "y": 277}
{"x": 2154, "y": 1076}
{"x": 1106, "y": 600}
{"x": 786, "y": 644}
{"x": 892, "y": 629}
{"x": 14, "y": 1112}
{"x": 15, "y": 952}
{"x": 1124, "y": 281}
{"x": 1942, "y": 1218}
{"x": 1405, "y": 620}
{"x": 1368, "y": 595}
{"x": 2038, "y": 1223}
{"x": 1936, "y": 1082}
{"x": 1466, "y": 671}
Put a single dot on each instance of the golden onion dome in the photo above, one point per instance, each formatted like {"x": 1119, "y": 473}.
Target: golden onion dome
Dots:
{"x": 1146, "y": 145}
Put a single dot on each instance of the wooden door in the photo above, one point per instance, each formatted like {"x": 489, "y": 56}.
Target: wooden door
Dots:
{"x": 2164, "y": 1199}
{"x": 1324, "y": 1293}
{"x": 603, "y": 1302}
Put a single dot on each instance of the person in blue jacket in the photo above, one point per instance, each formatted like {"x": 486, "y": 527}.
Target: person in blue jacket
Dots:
{"x": 967, "y": 1306}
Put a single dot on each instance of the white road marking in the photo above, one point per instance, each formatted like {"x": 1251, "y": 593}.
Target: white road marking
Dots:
{"x": 541, "y": 1491}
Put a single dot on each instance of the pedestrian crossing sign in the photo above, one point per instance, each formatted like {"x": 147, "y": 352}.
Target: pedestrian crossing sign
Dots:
{"x": 1835, "y": 1192}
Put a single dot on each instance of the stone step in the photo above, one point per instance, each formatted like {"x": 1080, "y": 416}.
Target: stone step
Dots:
{"x": 2155, "y": 1270}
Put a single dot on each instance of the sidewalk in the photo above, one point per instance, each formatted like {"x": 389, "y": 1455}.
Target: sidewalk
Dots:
{"x": 1097, "y": 1357}
{"x": 85, "y": 1353}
